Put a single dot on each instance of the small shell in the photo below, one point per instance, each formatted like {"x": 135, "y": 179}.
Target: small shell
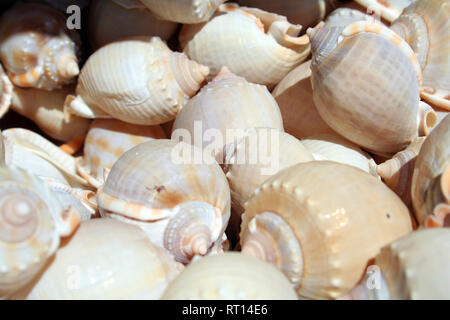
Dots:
{"x": 261, "y": 47}
{"x": 138, "y": 81}
{"x": 225, "y": 108}
{"x": 368, "y": 99}
{"x": 431, "y": 177}
{"x": 36, "y": 47}
{"x": 230, "y": 276}
{"x": 31, "y": 222}
{"x": 6, "y": 89}
{"x": 110, "y": 21}
{"x": 320, "y": 222}
{"x": 388, "y": 9}
{"x": 46, "y": 109}
{"x": 104, "y": 259}
{"x": 295, "y": 98}
{"x": 106, "y": 141}
{"x": 178, "y": 197}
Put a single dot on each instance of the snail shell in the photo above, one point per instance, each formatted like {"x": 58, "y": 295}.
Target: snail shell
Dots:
{"x": 138, "y": 81}
{"x": 178, "y": 197}
{"x": 104, "y": 259}
{"x": 31, "y": 222}
{"x": 343, "y": 17}
{"x": 46, "y": 109}
{"x": 388, "y": 9}
{"x": 110, "y": 21}
{"x": 230, "y": 276}
{"x": 364, "y": 96}
{"x": 36, "y": 47}
{"x": 430, "y": 189}
{"x": 425, "y": 26}
{"x": 308, "y": 221}
{"x": 230, "y": 105}
{"x": 295, "y": 99}
{"x": 262, "y": 47}
{"x": 6, "y": 89}
{"x": 107, "y": 140}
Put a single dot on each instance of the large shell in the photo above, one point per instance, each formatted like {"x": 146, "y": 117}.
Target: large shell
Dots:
{"x": 31, "y": 222}
{"x": 230, "y": 276}
{"x": 139, "y": 81}
{"x": 36, "y": 47}
{"x": 431, "y": 178}
{"x": 6, "y": 89}
{"x": 110, "y": 21}
{"x": 178, "y": 196}
{"x": 260, "y": 46}
{"x": 105, "y": 259}
{"x": 223, "y": 110}
{"x": 321, "y": 222}
{"x": 106, "y": 141}
{"x": 366, "y": 82}
{"x": 295, "y": 99}
{"x": 388, "y": 9}
{"x": 425, "y": 26}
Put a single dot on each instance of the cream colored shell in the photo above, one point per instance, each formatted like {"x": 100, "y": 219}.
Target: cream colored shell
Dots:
{"x": 105, "y": 259}
{"x": 230, "y": 276}
{"x": 388, "y": 9}
{"x": 6, "y": 89}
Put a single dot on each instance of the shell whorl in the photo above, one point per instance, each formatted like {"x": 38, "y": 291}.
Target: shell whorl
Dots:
{"x": 188, "y": 73}
{"x": 323, "y": 41}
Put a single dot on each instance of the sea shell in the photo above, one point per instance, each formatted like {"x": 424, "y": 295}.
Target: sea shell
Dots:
{"x": 139, "y": 81}
{"x": 6, "y": 89}
{"x": 260, "y": 46}
{"x": 36, "y": 48}
{"x": 431, "y": 178}
{"x": 177, "y": 195}
{"x": 105, "y": 259}
{"x": 31, "y": 223}
{"x": 357, "y": 92}
{"x": 332, "y": 147}
{"x": 425, "y": 26}
{"x": 343, "y": 17}
{"x": 106, "y": 141}
{"x": 295, "y": 99}
{"x": 388, "y": 9}
{"x": 46, "y": 109}
{"x": 230, "y": 276}
{"x": 223, "y": 110}
{"x": 110, "y": 21}
{"x": 308, "y": 221}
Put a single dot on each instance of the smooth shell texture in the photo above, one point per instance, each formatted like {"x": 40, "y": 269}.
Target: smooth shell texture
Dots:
{"x": 332, "y": 147}
{"x": 416, "y": 266}
{"x": 140, "y": 81}
{"x": 333, "y": 217}
{"x": 110, "y": 21}
{"x": 230, "y": 276}
{"x": 46, "y": 109}
{"x": 425, "y": 26}
{"x": 226, "y": 107}
{"x": 36, "y": 47}
{"x": 107, "y": 140}
{"x": 388, "y": 9}
{"x": 295, "y": 99}
{"x": 261, "y": 47}
{"x": 6, "y": 89}
{"x": 429, "y": 185}
{"x": 178, "y": 197}
{"x": 105, "y": 259}
{"x": 342, "y": 17}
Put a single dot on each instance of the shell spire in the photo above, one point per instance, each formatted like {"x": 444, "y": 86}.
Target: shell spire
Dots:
{"x": 188, "y": 73}
{"x": 323, "y": 41}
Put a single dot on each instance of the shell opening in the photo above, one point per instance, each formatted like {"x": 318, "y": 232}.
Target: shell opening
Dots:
{"x": 427, "y": 118}
{"x": 438, "y": 200}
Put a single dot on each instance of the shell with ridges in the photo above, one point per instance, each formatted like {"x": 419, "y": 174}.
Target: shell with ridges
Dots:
{"x": 345, "y": 16}
{"x": 388, "y": 9}
{"x": 6, "y": 89}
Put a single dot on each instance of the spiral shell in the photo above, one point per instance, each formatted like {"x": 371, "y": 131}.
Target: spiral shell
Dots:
{"x": 106, "y": 141}
{"x": 430, "y": 190}
{"x": 105, "y": 259}
{"x": 366, "y": 82}
{"x": 178, "y": 197}
{"x": 6, "y": 89}
{"x": 388, "y": 9}
{"x": 261, "y": 47}
{"x": 138, "y": 81}
{"x": 36, "y": 47}
{"x": 320, "y": 222}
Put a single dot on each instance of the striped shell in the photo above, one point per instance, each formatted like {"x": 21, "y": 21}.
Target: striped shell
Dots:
{"x": 104, "y": 259}
{"x": 138, "y": 81}
{"x": 36, "y": 47}
{"x": 6, "y": 89}
{"x": 357, "y": 92}
{"x": 320, "y": 223}
{"x": 388, "y": 9}
{"x": 180, "y": 199}
{"x": 230, "y": 276}
{"x": 261, "y": 47}
{"x": 107, "y": 140}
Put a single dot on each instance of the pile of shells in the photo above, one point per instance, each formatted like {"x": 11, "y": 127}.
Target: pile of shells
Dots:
{"x": 213, "y": 149}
